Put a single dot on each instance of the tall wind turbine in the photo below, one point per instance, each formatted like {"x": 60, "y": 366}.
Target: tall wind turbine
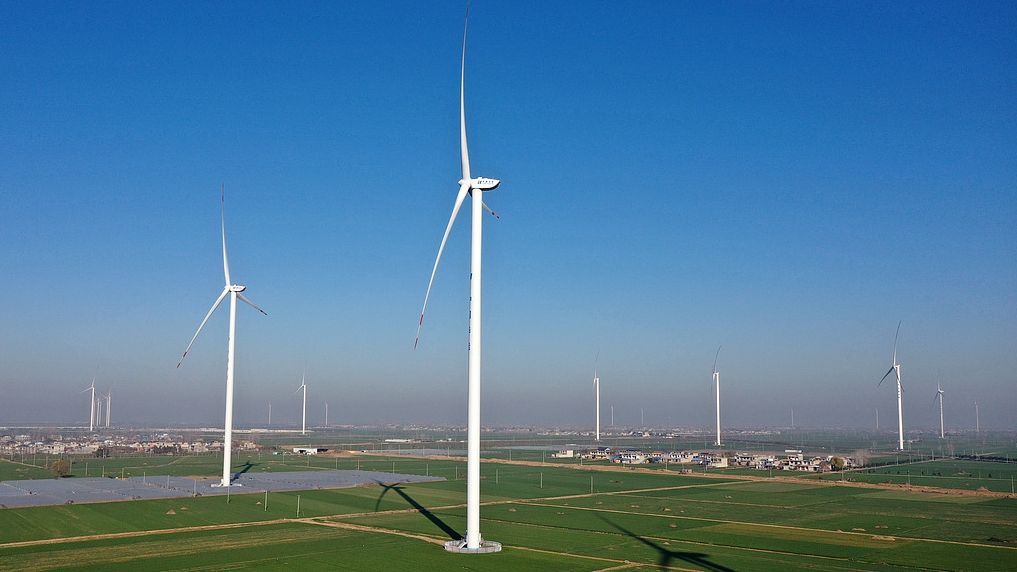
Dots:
{"x": 109, "y": 404}
{"x": 91, "y": 413}
{"x": 716, "y": 382}
{"x": 978, "y": 427}
{"x": 303, "y": 417}
{"x": 895, "y": 368}
{"x": 234, "y": 290}
{"x": 596, "y": 389}
{"x": 939, "y": 394}
{"x": 467, "y": 185}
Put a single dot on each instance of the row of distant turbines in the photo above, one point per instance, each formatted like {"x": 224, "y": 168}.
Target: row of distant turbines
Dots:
{"x": 95, "y": 414}
{"x": 894, "y": 369}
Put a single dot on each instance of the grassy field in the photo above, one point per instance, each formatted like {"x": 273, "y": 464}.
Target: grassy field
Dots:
{"x": 545, "y": 516}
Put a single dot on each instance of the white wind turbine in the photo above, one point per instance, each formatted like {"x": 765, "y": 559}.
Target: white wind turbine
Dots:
{"x": 109, "y": 405}
{"x": 91, "y": 413}
{"x": 895, "y": 368}
{"x": 596, "y": 389}
{"x": 467, "y": 185}
{"x": 234, "y": 290}
{"x": 716, "y": 383}
{"x": 303, "y": 417}
{"x": 939, "y": 394}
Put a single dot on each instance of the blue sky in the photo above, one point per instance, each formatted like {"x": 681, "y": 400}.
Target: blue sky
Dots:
{"x": 789, "y": 180}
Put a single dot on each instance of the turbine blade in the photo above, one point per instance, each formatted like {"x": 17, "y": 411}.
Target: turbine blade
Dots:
{"x": 462, "y": 105}
{"x": 488, "y": 209}
{"x": 895, "y": 344}
{"x": 715, "y": 359}
{"x": 251, "y": 304}
{"x": 885, "y": 376}
{"x": 463, "y": 190}
{"x": 225, "y": 260}
{"x": 218, "y": 301}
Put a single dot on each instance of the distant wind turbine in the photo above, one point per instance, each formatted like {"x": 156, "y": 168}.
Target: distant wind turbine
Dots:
{"x": 895, "y": 368}
{"x": 467, "y": 185}
{"x": 234, "y": 290}
{"x": 303, "y": 417}
{"x": 91, "y": 413}
{"x": 109, "y": 405}
{"x": 716, "y": 382}
{"x": 596, "y": 389}
{"x": 978, "y": 426}
{"x": 939, "y": 394}
{"x": 326, "y": 414}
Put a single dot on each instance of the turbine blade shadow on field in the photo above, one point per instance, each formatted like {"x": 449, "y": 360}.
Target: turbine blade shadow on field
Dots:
{"x": 243, "y": 470}
{"x": 667, "y": 555}
{"x": 453, "y": 535}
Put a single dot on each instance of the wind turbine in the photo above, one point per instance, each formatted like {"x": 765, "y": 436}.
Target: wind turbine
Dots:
{"x": 234, "y": 290}
{"x": 91, "y": 413}
{"x": 596, "y": 389}
{"x": 467, "y": 185}
{"x": 326, "y": 414}
{"x": 109, "y": 404}
{"x": 895, "y": 368}
{"x": 303, "y": 417}
{"x": 939, "y": 394}
{"x": 716, "y": 381}
{"x": 978, "y": 427}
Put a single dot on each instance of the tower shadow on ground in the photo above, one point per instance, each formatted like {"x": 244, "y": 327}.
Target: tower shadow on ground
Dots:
{"x": 666, "y": 555}
{"x": 452, "y": 534}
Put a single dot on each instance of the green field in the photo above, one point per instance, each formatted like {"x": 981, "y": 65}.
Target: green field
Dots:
{"x": 544, "y": 515}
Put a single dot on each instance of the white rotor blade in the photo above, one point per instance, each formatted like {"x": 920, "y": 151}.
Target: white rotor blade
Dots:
{"x": 463, "y": 190}
{"x": 884, "y": 377}
{"x": 225, "y": 260}
{"x": 251, "y": 304}
{"x": 488, "y": 209}
{"x": 715, "y": 359}
{"x": 462, "y": 107}
{"x": 895, "y": 343}
{"x": 218, "y": 301}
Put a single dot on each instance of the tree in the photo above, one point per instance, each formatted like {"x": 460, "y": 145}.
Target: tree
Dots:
{"x": 61, "y": 468}
{"x": 836, "y": 463}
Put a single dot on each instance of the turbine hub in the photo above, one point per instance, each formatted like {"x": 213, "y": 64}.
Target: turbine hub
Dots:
{"x": 237, "y": 288}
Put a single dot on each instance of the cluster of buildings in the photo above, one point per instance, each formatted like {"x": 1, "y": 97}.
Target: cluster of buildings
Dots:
{"x": 15, "y": 445}
{"x": 791, "y": 460}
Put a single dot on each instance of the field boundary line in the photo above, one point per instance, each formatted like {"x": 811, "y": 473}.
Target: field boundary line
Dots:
{"x": 778, "y": 526}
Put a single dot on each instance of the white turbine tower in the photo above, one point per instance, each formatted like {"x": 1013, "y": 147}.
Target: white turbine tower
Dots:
{"x": 596, "y": 389}
{"x": 303, "y": 416}
{"x": 895, "y": 368}
{"x": 939, "y": 394}
{"x": 472, "y": 543}
{"x": 716, "y": 383}
{"x": 91, "y": 412}
{"x": 978, "y": 426}
{"x": 234, "y": 290}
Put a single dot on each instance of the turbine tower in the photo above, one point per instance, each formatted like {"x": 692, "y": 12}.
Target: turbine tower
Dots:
{"x": 109, "y": 405}
{"x": 596, "y": 389}
{"x": 234, "y": 290}
{"x": 978, "y": 427}
{"x": 895, "y": 368}
{"x": 91, "y": 413}
{"x": 472, "y": 543}
{"x": 303, "y": 416}
{"x": 716, "y": 382}
{"x": 939, "y": 394}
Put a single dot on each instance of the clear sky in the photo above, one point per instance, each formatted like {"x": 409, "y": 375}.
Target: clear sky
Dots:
{"x": 788, "y": 180}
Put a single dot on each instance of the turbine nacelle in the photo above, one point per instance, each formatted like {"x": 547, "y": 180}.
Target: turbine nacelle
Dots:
{"x": 481, "y": 183}
{"x": 237, "y": 288}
